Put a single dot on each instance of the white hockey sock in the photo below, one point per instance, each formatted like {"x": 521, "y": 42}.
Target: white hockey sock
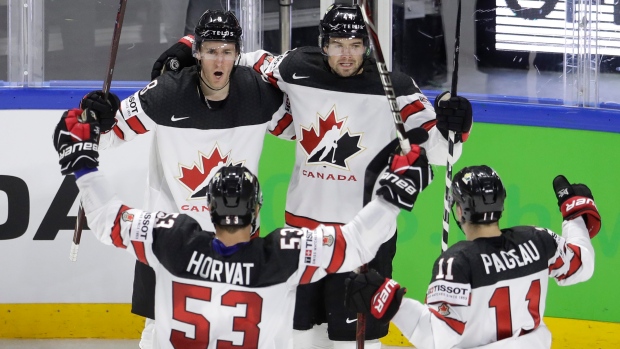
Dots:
{"x": 146, "y": 340}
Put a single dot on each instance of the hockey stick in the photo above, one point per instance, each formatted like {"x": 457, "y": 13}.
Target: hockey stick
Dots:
{"x": 405, "y": 147}
{"x": 81, "y": 217}
{"x": 451, "y": 135}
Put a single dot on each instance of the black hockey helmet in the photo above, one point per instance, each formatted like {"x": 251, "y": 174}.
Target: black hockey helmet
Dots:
{"x": 343, "y": 22}
{"x": 480, "y": 193}
{"x": 217, "y": 25}
{"x": 233, "y": 196}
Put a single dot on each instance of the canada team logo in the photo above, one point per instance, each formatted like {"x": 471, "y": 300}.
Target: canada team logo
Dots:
{"x": 443, "y": 309}
{"x": 329, "y": 142}
{"x": 195, "y": 178}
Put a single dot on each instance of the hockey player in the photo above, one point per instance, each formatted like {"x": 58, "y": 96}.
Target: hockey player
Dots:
{"x": 490, "y": 290}
{"x": 202, "y": 117}
{"x": 224, "y": 289}
{"x": 336, "y": 87}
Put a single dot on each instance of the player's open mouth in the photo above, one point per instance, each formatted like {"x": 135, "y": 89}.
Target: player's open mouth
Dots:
{"x": 346, "y": 65}
{"x": 218, "y": 74}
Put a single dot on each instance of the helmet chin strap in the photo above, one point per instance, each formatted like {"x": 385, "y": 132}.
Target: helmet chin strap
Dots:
{"x": 458, "y": 222}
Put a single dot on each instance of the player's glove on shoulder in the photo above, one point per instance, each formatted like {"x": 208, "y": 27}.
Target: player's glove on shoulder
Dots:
{"x": 407, "y": 176}
{"x": 372, "y": 293}
{"x": 105, "y": 110}
{"x": 175, "y": 58}
{"x": 576, "y": 200}
{"x": 454, "y": 113}
{"x": 76, "y": 140}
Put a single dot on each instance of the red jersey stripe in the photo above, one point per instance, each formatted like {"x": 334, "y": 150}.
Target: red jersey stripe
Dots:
{"x": 557, "y": 265}
{"x": 285, "y": 122}
{"x": 411, "y": 109}
{"x": 454, "y": 324}
{"x": 119, "y": 133}
{"x": 429, "y": 125}
{"x": 306, "y": 277}
{"x": 115, "y": 234}
{"x": 136, "y": 125}
{"x": 575, "y": 262}
{"x": 138, "y": 247}
{"x": 339, "y": 252}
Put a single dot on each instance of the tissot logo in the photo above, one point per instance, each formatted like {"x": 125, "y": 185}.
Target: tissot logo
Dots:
{"x": 330, "y": 142}
{"x": 196, "y": 177}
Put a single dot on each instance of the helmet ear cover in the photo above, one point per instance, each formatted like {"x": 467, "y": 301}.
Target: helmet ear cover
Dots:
{"x": 480, "y": 194}
{"x": 343, "y": 22}
{"x": 234, "y": 196}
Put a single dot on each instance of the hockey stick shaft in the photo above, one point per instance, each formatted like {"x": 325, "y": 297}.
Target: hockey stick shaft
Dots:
{"x": 81, "y": 217}
{"x": 451, "y": 136}
{"x": 386, "y": 81}
{"x": 405, "y": 147}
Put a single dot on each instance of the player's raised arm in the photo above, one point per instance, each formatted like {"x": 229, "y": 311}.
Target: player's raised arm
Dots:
{"x": 345, "y": 248}
{"x": 573, "y": 261}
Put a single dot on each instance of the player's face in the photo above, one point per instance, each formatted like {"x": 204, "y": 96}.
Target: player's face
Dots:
{"x": 345, "y": 55}
{"x": 217, "y": 60}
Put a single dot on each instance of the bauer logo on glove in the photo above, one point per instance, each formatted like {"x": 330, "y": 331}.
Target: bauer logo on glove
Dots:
{"x": 76, "y": 140}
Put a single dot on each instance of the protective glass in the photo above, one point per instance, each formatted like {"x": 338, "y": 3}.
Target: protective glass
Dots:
{"x": 345, "y": 47}
{"x": 221, "y": 51}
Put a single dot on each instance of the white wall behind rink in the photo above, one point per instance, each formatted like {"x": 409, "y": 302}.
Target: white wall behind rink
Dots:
{"x": 39, "y": 271}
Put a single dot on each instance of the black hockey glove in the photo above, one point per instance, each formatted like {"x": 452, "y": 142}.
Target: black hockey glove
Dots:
{"x": 576, "y": 200}
{"x": 76, "y": 140}
{"x": 407, "y": 176}
{"x": 104, "y": 110}
{"x": 372, "y": 293}
{"x": 175, "y": 58}
{"x": 453, "y": 114}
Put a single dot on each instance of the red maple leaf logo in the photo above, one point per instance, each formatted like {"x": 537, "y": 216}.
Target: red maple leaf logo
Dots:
{"x": 193, "y": 177}
{"x": 310, "y": 138}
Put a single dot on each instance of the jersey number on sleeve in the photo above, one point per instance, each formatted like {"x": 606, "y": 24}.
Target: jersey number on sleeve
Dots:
{"x": 501, "y": 302}
{"x": 248, "y": 324}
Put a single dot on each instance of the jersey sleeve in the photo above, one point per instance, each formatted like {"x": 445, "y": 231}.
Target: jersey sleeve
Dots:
{"x": 573, "y": 260}
{"x": 417, "y": 111}
{"x": 133, "y": 230}
{"x": 267, "y": 65}
{"x": 281, "y": 124}
{"x": 441, "y": 321}
{"x": 338, "y": 249}
{"x": 131, "y": 119}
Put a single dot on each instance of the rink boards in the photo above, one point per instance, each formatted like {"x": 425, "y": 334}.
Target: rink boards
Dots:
{"x": 44, "y": 295}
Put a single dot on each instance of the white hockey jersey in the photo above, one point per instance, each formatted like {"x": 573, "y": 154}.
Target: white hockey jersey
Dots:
{"x": 191, "y": 141}
{"x": 340, "y": 125}
{"x": 205, "y": 298}
{"x": 491, "y": 292}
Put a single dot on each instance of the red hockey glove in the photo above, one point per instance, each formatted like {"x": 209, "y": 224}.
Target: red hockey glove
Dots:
{"x": 576, "y": 200}
{"x": 454, "y": 113}
{"x": 76, "y": 141}
{"x": 105, "y": 110}
{"x": 177, "y": 57}
{"x": 372, "y": 293}
{"x": 408, "y": 175}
